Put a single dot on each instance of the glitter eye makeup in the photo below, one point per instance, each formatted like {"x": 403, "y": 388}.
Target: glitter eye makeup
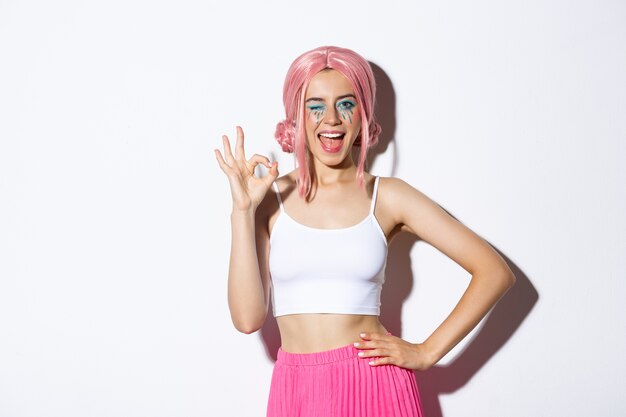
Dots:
{"x": 345, "y": 108}
{"x": 316, "y": 111}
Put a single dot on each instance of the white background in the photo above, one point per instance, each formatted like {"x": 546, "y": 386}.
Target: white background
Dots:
{"x": 114, "y": 225}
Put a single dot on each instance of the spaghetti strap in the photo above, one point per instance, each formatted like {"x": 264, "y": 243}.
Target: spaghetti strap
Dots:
{"x": 374, "y": 194}
{"x": 280, "y": 201}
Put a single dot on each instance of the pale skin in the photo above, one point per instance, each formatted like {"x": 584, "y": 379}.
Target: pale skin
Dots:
{"x": 339, "y": 202}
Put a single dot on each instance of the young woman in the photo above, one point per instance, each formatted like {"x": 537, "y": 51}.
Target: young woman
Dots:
{"x": 316, "y": 245}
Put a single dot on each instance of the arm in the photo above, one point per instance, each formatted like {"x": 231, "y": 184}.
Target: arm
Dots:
{"x": 248, "y": 274}
{"x": 491, "y": 276}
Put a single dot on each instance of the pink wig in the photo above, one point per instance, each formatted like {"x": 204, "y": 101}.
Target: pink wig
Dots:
{"x": 291, "y": 134}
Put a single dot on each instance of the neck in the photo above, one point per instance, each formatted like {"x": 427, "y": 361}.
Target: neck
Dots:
{"x": 327, "y": 175}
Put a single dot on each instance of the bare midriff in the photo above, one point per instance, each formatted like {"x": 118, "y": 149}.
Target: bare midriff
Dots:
{"x": 309, "y": 333}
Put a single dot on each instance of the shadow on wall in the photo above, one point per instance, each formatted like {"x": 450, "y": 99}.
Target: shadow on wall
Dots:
{"x": 497, "y": 327}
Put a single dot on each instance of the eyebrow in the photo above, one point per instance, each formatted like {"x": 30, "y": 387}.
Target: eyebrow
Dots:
{"x": 338, "y": 98}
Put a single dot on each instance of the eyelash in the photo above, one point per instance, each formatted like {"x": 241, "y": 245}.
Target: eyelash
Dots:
{"x": 344, "y": 105}
{"x": 349, "y": 105}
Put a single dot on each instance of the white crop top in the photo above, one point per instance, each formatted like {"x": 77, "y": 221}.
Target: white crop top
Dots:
{"x": 327, "y": 270}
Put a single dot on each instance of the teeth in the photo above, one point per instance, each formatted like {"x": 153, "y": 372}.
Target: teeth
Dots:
{"x": 331, "y": 135}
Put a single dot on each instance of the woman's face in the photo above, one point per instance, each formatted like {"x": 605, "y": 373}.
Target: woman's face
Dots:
{"x": 333, "y": 118}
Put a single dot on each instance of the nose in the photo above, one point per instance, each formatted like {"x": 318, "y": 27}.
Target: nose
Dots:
{"x": 332, "y": 117}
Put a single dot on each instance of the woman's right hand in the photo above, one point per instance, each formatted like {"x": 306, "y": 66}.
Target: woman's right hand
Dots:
{"x": 247, "y": 190}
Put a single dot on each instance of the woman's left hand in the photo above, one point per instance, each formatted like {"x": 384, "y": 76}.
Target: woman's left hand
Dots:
{"x": 393, "y": 350}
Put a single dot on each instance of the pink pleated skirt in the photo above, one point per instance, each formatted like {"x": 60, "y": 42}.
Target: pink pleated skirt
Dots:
{"x": 338, "y": 383}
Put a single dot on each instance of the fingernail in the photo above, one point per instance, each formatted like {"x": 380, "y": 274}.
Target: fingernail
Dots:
{"x": 371, "y": 363}
{"x": 362, "y": 334}
{"x": 356, "y": 344}
{"x": 361, "y": 353}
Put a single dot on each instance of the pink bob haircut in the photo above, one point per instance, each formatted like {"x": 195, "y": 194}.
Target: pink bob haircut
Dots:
{"x": 291, "y": 134}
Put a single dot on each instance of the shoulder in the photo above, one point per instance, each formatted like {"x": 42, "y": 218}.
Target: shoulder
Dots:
{"x": 392, "y": 184}
{"x": 402, "y": 201}
{"x": 395, "y": 191}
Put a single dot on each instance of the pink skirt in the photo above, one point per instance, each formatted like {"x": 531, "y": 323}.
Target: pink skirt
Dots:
{"x": 338, "y": 383}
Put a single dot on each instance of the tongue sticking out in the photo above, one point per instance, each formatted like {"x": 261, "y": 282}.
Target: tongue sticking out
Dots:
{"x": 331, "y": 143}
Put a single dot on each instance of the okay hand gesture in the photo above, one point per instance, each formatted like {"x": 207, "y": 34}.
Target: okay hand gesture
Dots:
{"x": 247, "y": 190}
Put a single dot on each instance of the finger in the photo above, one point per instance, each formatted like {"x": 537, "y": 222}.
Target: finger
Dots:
{"x": 367, "y": 344}
{"x": 372, "y": 336}
{"x": 386, "y": 360}
{"x": 273, "y": 174}
{"x": 258, "y": 159}
{"x": 254, "y": 161}
{"x": 227, "y": 152}
{"x": 221, "y": 162}
{"x": 239, "y": 149}
{"x": 373, "y": 352}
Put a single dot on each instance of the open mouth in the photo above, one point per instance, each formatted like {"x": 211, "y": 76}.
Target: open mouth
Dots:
{"x": 331, "y": 142}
